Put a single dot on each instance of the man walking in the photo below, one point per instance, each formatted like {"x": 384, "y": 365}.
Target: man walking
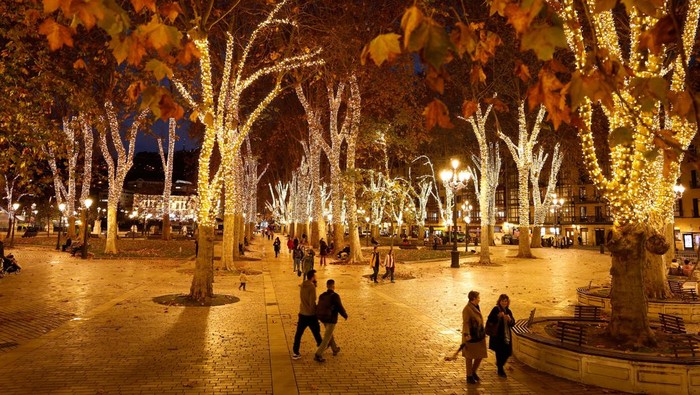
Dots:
{"x": 374, "y": 264}
{"x": 329, "y": 306}
{"x": 307, "y": 313}
{"x": 389, "y": 264}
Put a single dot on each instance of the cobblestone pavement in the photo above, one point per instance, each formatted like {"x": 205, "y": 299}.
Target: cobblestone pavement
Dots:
{"x": 74, "y": 326}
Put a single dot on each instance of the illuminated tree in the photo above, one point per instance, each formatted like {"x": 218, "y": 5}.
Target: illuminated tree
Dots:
{"x": 374, "y": 191}
{"x": 639, "y": 186}
{"x": 522, "y": 156}
{"x": 278, "y": 207}
{"x": 67, "y": 194}
{"x": 119, "y": 161}
{"x": 225, "y": 125}
{"x": 540, "y": 203}
{"x": 488, "y": 164}
{"x": 252, "y": 179}
{"x": 167, "y": 162}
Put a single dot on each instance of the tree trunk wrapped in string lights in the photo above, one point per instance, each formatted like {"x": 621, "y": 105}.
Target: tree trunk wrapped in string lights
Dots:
{"x": 278, "y": 207}
{"x": 522, "y": 155}
{"x": 252, "y": 179}
{"x": 118, "y": 164}
{"x": 640, "y": 199}
{"x": 226, "y": 126}
{"x": 167, "y": 163}
{"x": 540, "y": 203}
{"x": 489, "y": 167}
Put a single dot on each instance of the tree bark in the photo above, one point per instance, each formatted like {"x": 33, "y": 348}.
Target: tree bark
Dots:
{"x": 492, "y": 236}
{"x": 315, "y": 234}
{"x": 485, "y": 257}
{"x": 111, "y": 241}
{"x": 203, "y": 280}
{"x": 240, "y": 231}
{"x": 536, "y": 239}
{"x": 629, "y": 323}
{"x": 524, "y": 243}
{"x": 291, "y": 232}
{"x": 670, "y": 236}
{"x": 71, "y": 227}
{"x": 655, "y": 283}
{"x": 228, "y": 249}
{"x": 166, "y": 227}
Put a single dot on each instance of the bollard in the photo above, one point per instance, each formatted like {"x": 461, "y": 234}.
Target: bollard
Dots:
{"x": 602, "y": 249}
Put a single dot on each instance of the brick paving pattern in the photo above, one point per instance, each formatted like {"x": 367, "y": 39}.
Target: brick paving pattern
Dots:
{"x": 73, "y": 326}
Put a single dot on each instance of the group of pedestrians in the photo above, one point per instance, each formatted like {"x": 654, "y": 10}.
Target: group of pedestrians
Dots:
{"x": 474, "y": 330}
{"x": 326, "y": 310}
{"x": 389, "y": 264}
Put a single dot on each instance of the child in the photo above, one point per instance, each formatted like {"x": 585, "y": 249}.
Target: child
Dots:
{"x": 243, "y": 280}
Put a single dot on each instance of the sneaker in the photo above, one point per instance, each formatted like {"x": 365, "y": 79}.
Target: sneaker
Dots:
{"x": 296, "y": 356}
{"x": 502, "y": 372}
{"x": 471, "y": 380}
{"x": 477, "y": 378}
{"x": 336, "y": 351}
{"x": 319, "y": 358}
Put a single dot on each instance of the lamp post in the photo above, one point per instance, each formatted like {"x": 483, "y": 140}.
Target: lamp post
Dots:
{"x": 557, "y": 204}
{"x": 368, "y": 234}
{"x": 61, "y": 207}
{"x": 87, "y": 203}
{"x": 15, "y": 207}
{"x": 678, "y": 189}
{"x": 455, "y": 181}
{"x": 35, "y": 212}
{"x": 467, "y": 209}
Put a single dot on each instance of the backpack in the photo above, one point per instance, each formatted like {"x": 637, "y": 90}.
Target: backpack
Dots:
{"x": 324, "y": 307}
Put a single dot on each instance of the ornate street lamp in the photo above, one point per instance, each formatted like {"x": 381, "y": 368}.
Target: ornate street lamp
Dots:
{"x": 454, "y": 180}
{"x": 467, "y": 209}
{"x": 84, "y": 215}
{"x": 61, "y": 208}
{"x": 15, "y": 207}
{"x": 679, "y": 189}
{"x": 557, "y": 204}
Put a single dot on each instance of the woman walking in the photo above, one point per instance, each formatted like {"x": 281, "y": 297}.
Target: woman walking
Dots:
{"x": 473, "y": 336}
{"x": 277, "y": 245}
{"x": 501, "y": 318}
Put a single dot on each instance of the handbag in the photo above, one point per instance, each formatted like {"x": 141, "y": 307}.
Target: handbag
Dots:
{"x": 492, "y": 328}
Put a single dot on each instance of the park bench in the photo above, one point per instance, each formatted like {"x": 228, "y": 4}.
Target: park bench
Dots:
{"x": 678, "y": 290}
{"x": 587, "y": 313}
{"x": 568, "y": 332}
{"x": 443, "y": 247}
{"x": 672, "y": 323}
{"x": 30, "y": 233}
{"x": 685, "y": 347}
{"x": 408, "y": 246}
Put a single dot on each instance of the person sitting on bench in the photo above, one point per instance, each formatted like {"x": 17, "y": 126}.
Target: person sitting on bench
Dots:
{"x": 75, "y": 248}
{"x": 345, "y": 251}
{"x": 68, "y": 243}
{"x": 10, "y": 265}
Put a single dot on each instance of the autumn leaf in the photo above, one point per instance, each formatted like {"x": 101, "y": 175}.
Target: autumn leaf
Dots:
{"x": 51, "y": 5}
{"x": 486, "y": 48}
{"x": 604, "y": 5}
{"x": 384, "y": 47}
{"x": 664, "y": 32}
{"x": 169, "y": 109}
{"x": 134, "y": 91}
{"x": 141, "y": 4}
{"x": 434, "y": 42}
{"x": 88, "y": 12}
{"x": 412, "y": 18}
{"x": 170, "y": 11}
{"x": 463, "y": 38}
{"x": 160, "y": 36}
{"x": 188, "y": 52}
{"x": 498, "y": 105}
{"x": 79, "y": 64}
{"x": 469, "y": 107}
{"x": 649, "y": 7}
{"x": 476, "y": 75}
{"x": 520, "y": 16}
{"x": 435, "y": 79}
{"x": 159, "y": 69}
{"x": 620, "y": 135}
{"x": 498, "y": 6}
{"x": 543, "y": 40}
{"x": 436, "y": 113}
{"x": 57, "y": 34}
{"x": 522, "y": 71}
{"x": 551, "y": 93}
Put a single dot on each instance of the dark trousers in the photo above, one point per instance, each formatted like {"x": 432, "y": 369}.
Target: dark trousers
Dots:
{"x": 375, "y": 273}
{"x": 502, "y": 354}
{"x": 311, "y": 322}
{"x": 389, "y": 272}
{"x": 241, "y": 286}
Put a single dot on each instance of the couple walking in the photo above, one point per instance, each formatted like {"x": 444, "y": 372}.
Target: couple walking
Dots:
{"x": 498, "y": 327}
{"x": 310, "y": 312}
{"x": 389, "y": 265}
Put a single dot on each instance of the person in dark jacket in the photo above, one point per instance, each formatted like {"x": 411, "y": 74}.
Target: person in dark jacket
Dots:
{"x": 323, "y": 252}
{"x": 502, "y": 318}
{"x": 277, "y": 245}
{"x": 374, "y": 264}
{"x": 307, "y": 313}
{"x": 327, "y": 310}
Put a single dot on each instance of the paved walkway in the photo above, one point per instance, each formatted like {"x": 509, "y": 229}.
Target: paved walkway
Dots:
{"x": 73, "y": 326}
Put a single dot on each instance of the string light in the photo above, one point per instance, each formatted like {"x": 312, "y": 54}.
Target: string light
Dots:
{"x": 541, "y": 205}
{"x": 167, "y": 163}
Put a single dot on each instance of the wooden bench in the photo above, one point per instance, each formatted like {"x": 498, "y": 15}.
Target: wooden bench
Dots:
{"x": 672, "y": 323}
{"x": 587, "y": 312}
{"x": 685, "y": 347}
{"x": 408, "y": 246}
{"x": 443, "y": 247}
{"x": 568, "y": 332}
{"x": 683, "y": 293}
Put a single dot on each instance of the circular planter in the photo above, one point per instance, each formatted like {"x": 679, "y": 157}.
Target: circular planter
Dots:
{"x": 690, "y": 311}
{"x": 604, "y": 368}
